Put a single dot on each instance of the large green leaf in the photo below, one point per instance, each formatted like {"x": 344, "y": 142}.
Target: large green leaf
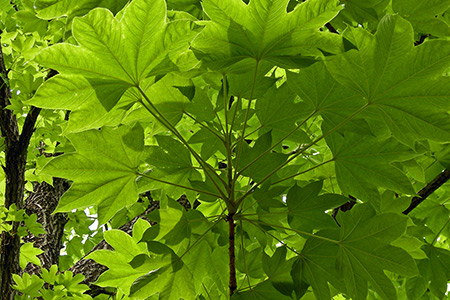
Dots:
{"x": 360, "y": 250}
{"x": 124, "y": 52}
{"x": 400, "y": 83}
{"x": 103, "y": 170}
{"x": 363, "y": 163}
{"x": 364, "y": 251}
{"x": 263, "y": 30}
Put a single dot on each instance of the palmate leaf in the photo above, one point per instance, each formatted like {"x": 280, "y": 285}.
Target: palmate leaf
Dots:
{"x": 120, "y": 273}
{"x": 103, "y": 170}
{"x": 263, "y": 30}
{"x": 363, "y": 163}
{"x": 121, "y": 52}
{"x": 400, "y": 83}
{"x": 361, "y": 251}
{"x": 316, "y": 266}
{"x": 364, "y": 251}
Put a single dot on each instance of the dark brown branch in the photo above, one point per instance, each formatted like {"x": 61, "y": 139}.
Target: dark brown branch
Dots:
{"x": 330, "y": 28}
{"x": 232, "y": 255}
{"x": 436, "y": 183}
{"x": 15, "y": 182}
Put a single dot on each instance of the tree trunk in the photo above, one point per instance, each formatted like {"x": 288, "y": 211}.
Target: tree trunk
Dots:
{"x": 43, "y": 202}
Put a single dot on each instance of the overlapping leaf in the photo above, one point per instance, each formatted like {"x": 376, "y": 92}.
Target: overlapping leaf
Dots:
{"x": 323, "y": 95}
{"x": 280, "y": 111}
{"x": 360, "y": 250}
{"x": 307, "y": 208}
{"x": 172, "y": 162}
{"x": 316, "y": 266}
{"x": 363, "y": 163}
{"x": 166, "y": 274}
{"x": 263, "y": 30}
{"x": 426, "y": 17}
{"x": 401, "y": 84}
{"x": 103, "y": 170}
{"x": 260, "y": 168}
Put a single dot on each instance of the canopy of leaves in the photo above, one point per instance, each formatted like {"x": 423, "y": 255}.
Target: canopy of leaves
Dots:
{"x": 293, "y": 134}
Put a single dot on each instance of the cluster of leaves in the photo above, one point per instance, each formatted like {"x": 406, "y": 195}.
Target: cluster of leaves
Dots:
{"x": 62, "y": 286}
{"x": 269, "y": 113}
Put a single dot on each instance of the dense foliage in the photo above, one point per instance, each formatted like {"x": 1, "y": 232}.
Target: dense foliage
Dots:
{"x": 311, "y": 137}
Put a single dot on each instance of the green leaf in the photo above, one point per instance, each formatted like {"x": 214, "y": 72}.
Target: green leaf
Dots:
{"x": 363, "y": 163}
{"x": 33, "y": 226}
{"x": 262, "y": 30}
{"x": 364, "y": 251}
{"x": 400, "y": 83}
{"x": 103, "y": 169}
{"x": 280, "y": 111}
{"x": 126, "y": 51}
{"x": 29, "y": 285}
{"x": 119, "y": 272}
{"x": 28, "y": 254}
{"x": 262, "y": 291}
{"x": 278, "y": 270}
{"x": 323, "y": 95}
{"x": 262, "y": 166}
{"x": 307, "y": 209}
{"x": 435, "y": 269}
{"x": 167, "y": 275}
{"x": 316, "y": 266}
{"x": 172, "y": 162}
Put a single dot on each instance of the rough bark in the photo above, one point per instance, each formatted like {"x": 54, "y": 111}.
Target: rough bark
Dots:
{"x": 43, "y": 202}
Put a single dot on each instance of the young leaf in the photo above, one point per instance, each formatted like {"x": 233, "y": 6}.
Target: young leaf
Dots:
{"x": 120, "y": 272}
{"x": 28, "y": 254}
